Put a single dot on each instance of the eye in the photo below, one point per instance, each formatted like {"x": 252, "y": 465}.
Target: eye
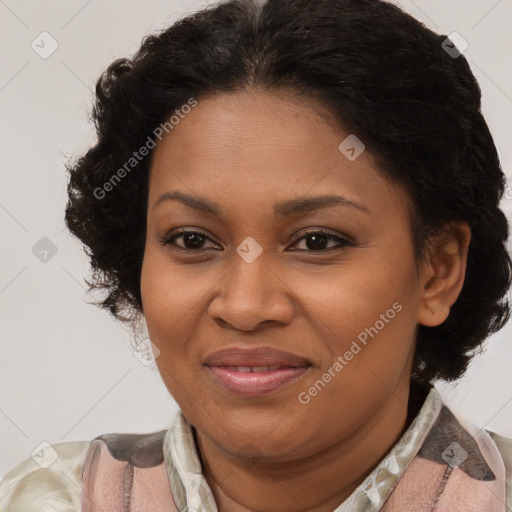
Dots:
{"x": 320, "y": 239}
{"x": 192, "y": 240}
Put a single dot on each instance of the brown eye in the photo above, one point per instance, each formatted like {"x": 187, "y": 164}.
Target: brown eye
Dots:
{"x": 192, "y": 240}
{"x": 316, "y": 241}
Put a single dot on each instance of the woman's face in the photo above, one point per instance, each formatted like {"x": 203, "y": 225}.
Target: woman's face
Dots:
{"x": 259, "y": 275}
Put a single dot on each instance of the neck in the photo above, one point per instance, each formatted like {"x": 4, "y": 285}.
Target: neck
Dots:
{"x": 318, "y": 483}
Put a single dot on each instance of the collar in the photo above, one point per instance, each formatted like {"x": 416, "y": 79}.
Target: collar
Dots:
{"x": 190, "y": 488}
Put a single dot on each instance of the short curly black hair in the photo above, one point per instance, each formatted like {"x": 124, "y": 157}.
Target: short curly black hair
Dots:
{"x": 382, "y": 73}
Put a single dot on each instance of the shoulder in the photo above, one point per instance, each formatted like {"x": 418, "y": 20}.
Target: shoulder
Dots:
{"x": 504, "y": 446}
{"x": 51, "y": 479}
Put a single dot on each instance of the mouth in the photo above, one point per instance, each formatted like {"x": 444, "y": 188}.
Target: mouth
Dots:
{"x": 255, "y": 369}
{"x": 255, "y": 380}
{"x": 255, "y": 372}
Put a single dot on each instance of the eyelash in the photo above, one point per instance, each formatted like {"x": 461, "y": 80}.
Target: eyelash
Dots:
{"x": 169, "y": 240}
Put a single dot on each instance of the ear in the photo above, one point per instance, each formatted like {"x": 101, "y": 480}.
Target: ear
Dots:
{"x": 443, "y": 275}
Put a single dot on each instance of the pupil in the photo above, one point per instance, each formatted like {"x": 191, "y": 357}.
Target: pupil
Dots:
{"x": 319, "y": 242}
{"x": 195, "y": 239}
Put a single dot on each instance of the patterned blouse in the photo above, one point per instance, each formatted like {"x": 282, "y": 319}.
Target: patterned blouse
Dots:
{"x": 468, "y": 469}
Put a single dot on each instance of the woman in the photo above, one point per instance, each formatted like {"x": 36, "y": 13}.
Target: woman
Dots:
{"x": 301, "y": 204}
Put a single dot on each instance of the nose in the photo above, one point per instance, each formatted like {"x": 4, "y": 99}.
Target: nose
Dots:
{"x": 250, "y": 295}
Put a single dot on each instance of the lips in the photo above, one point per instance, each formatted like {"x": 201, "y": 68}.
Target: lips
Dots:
{"x": 255, "y": 357}
{"x": 256, "y": 371}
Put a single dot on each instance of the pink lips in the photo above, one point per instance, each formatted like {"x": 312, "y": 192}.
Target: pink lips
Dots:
{"x": 256, "y": 371}
{"x": 255, "y": 383}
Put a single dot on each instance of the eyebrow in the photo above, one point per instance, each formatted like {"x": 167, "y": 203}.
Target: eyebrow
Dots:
{"x": 283, "y": 209}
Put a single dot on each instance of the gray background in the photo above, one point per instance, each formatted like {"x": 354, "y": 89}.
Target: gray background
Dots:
{"x": 67, "y": 369}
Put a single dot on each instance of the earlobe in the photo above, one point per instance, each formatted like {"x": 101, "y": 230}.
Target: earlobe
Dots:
{"x": 444, "y": 274}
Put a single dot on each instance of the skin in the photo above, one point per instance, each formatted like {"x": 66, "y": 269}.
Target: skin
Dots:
{"x": 248, "y": 151}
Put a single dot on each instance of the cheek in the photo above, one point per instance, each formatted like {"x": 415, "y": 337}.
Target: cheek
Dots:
{"x": 162, "y": 310}
{"x": 163, "y": 307}
{"x": 366, "y": 314}
{"x": 167, "y": 295}
{"x": 171, "y": 300}
{"x": 354, "y": 294}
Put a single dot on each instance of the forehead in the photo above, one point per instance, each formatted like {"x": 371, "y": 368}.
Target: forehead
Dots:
{"x": 260, "y": 146}
{"x": 240, "y": 121}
